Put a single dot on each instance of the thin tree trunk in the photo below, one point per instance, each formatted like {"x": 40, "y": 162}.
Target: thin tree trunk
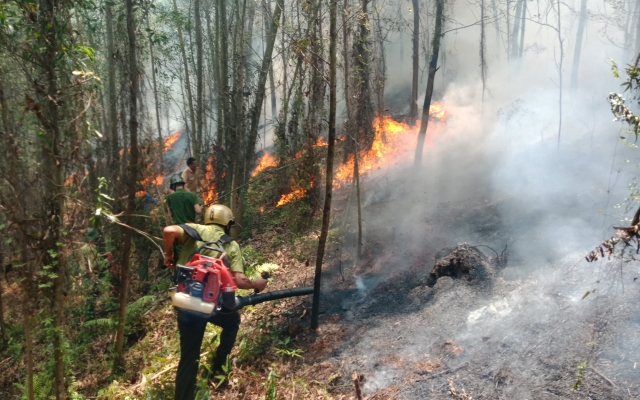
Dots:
{"x": 433, "y": 64}
{"x": 356, "y": 176}
{"x": 483, "y": 63}
{"x": 28, "y": 336}
{"x": 3, "y": 332}
{"x": 523, "y": 19}
{"x": 508, "y": 29}
{"x": 199, "y": 79}
{"x": 345, "y": 56}
{"x": 326, "y": 213}
{"x": 416, "y": 49}
{"x": 187, "y": 83}
{"x": 131, "y": 185}
{"x": 516, "y": 29}
{"x": 254, "y": 115}
{"x": 155, "y": 96}
{"x": 52, "y": 172}
{"x": 112, "y": 154}
{"x": 560, "y": 74}
{"x": 578, "y": 48}
{"x": 496, "y": 24}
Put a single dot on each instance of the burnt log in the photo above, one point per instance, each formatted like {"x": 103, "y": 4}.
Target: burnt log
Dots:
{"x": 460, "y": 262}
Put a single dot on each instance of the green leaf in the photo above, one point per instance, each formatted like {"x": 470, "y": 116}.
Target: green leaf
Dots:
{"x": 106, "y": 197}
{"x": 8, "y": 240}
{"x": 586, "y": 294}
{"x": 88, "y": 51}
{"x": 98, "y": 212}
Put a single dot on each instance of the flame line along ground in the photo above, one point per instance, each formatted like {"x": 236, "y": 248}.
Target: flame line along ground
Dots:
{"x": 252, "y": 180}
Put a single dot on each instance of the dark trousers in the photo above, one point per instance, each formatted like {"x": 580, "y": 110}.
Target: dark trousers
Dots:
{"x": 191, "y": 330}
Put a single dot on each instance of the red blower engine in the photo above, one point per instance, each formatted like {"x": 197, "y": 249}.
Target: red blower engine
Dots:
{"x": 203, "y": 286}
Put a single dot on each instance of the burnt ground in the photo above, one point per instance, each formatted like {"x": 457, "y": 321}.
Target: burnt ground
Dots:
{"x": 523, "y": 331}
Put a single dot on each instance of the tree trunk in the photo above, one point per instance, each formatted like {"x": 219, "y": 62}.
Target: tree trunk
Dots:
{"x": 119, "y": 364}
{"x": 364, "y": 109}
{"x": 578, "y": 48}
{"x": 112, "y": 102}
{"x": 199, "y": 80}
{"x": 496, "y": 24}
{"x": 326, "y": 213}
{"x": 560, "y": 75}
{"x": 52, "y": 172}
{"x": 254, "y": 115}
{"x": 516, "y": 29}
{"x": 28, "y": 336}
{"x": 483, "y": 63}
{"x": 187, "y": 83}
{"x": 345, "y": 56}
{"x": 416, "y": 49}
{"x": 433, "y": 64}
{"x": 155, "y": 97}
{"x": 356, "y": 180}
{"x": 523, "y": 19}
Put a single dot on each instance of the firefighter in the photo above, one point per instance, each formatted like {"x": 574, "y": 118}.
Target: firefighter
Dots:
{"x": 184, "y": 205}
{"x": 218, "y": 220}
{"x": 189, "y": 176}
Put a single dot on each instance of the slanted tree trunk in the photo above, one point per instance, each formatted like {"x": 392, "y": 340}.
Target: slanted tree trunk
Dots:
{"x": 416, "y": 49}
{"x": 187, "y": 83}
{"x": 118, "y": 364}
{"x": 433, "y": 64}
{"x": 496, "y": 24}
{"x": 254, "y": 115}
{"x": 578, "y": 48}
{"x": 326, "y": 212}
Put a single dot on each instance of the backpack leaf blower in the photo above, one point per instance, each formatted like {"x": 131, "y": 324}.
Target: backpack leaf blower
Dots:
{"x": 205, "y": 286}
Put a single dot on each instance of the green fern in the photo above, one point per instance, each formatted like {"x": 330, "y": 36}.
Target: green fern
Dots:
{"x": 138, "y": 304}
{"x": 101, "y": 322}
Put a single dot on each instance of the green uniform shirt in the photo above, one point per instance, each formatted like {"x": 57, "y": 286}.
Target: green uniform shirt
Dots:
{"x": 182, "y": 205}
{"x": 210, "y": 233}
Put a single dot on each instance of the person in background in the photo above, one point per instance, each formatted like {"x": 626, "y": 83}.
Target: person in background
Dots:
{"x": 184, "y": 205}
{"x": 189, "y": 176}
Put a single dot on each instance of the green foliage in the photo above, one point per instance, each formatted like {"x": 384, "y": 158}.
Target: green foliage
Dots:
{"x": 581, "y": 367}
{"x": 285, "y": 350}
{"x": 225, "y": 376}
{"x": 271, "y": 385}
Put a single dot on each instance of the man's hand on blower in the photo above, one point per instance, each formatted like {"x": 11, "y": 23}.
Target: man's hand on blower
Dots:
{"x": 245, "y": 283}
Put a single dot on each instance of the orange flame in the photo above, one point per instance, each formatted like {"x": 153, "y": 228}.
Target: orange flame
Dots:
{"x": 171, "y": 140}
{"x": 393, "y": 143}
{"x": 436, "y": 110}
{"x": 295, "y": 195}
{"x": 140, "y": 193}
{"x": 209, "y": 193}
{"x": 267, "y": 161}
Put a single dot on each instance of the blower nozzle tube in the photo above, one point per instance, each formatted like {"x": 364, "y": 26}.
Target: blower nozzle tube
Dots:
{"x": 269, "y": 296}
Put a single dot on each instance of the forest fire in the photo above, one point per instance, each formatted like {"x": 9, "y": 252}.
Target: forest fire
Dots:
{"x": 393, "y": 142}
{"x": 267, "y": 161}
{"x": 209, "y": 186}
{"x": 296, "y": 194}
{"x": 171, "y": 140}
